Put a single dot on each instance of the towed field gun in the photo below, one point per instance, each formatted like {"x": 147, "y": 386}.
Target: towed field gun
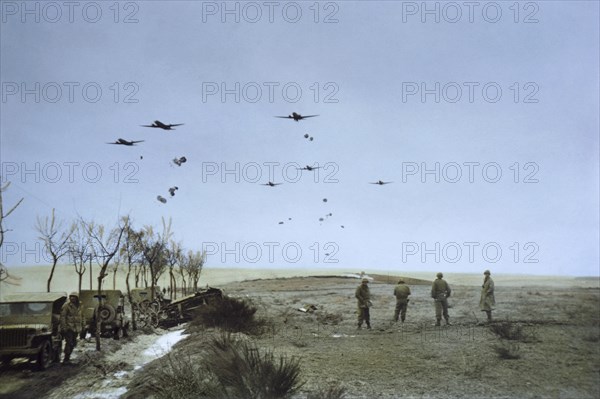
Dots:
{"x": 181, "y": 310}
{"x": 147, "y": 303}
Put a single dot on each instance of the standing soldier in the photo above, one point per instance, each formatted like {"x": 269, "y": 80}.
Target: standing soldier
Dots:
{"x": 363, "y": 296}
{"x": 71, "y": 323}
{"x": 401, "y": 292}
{"x": 487, "y": 300}
{"x": 440, "y": 292}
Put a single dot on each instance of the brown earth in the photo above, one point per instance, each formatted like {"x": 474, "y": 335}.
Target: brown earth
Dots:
{"x": 417, "y": 359}
{"x": 559, "y": 359}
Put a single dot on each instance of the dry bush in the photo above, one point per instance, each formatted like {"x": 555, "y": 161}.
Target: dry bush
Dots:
{"x": 329, "y": 318}
{"x": 184, "y": 378}
{"x": 246, "y": 372}
{"x": 507, "y": 351}
{"x": 509, "y": 330}
{"x": 230, "y": 314}
{"x": 333, "y": 391}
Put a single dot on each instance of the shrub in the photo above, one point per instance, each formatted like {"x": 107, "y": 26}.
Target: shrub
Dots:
{"x": 246, "y": 372}
{"x": 184, "y": 378}
{"x": 230, "y": 314}
{"x": 508, "y": 351}
{"x": 508, "y": 330}
{"x": 334, "y": 391}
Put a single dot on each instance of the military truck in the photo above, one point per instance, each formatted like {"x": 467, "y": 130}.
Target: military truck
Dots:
{"x": 109, "y": 307}
{"x": 29, "y": 328}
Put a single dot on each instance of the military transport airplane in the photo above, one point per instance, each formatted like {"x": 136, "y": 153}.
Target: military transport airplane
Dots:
{"x": 163, "y": 126}
{"x": 309, "y": 168}
{"x": 125, "y": 142}
{"x": 296, "y": 117}
{"x": 271, "y": 184}
{"x": 381, "y": 182}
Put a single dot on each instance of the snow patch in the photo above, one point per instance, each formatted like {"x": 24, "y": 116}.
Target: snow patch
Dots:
{"x": 164, "y": 344}
{"x": 109, "y": 394}
{"x": 342, "y": 336}
{"x": 357, "y": 276}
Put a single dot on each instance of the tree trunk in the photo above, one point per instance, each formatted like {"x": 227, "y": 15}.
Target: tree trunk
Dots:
{"x": 55, "y": 260}
{"x": 133, "y": 321}
{"x": 173, "y": 283}
{"x": 98, "y": 321}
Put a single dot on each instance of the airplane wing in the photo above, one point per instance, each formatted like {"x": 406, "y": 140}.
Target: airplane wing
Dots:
{"x": 176, "y": 124}
{"x": 116, "y": 142}
{"x": 308, "y": 116}
{"x": 284, "y": 117}
{"x": 148, "y": 126}
{"x": 137, "y": 141}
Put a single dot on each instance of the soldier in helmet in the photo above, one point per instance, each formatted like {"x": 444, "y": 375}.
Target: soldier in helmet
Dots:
{"x": 363, "y": 295}
{"x": 401, "y": 292}
{"x": 71, "y": 323}
{"x": 440, "y": 292}
{"x": 487, "y": 300}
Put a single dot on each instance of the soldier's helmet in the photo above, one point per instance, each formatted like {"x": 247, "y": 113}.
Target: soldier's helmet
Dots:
{"x": 400, "y": 281}
{"x": 365, "y": 280}
{"x": 439, "y": 275}
{"x": 487, "y": 272}
{"x": 75, "y": 294}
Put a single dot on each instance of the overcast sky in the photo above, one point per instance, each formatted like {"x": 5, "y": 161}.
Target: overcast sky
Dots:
{"x": 484, "y": 116}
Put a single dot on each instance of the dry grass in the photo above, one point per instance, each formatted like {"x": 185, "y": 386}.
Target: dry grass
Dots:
{"x": 230, "y": 368}
{"x": 333, "y": 391}
{"x": 182, "y": 377}
{"x": 246, "y": 372}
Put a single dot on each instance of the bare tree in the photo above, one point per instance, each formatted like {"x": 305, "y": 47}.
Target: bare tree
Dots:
{"x": 106, "y": 247}
{"x": 80, "y": 250}
{"x": 131, "y": 251}
{"x": 154, "y": 248}
{"x": 3, "y": 271}
{"x": 55, "y": 238}
{"x": 183, "y": 273}
{"x": 195, "y": 263}
{"x": 114, "y": 268}
{"x": 174, "y": 258}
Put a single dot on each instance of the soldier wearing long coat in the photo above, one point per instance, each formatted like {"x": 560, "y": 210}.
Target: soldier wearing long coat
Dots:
{"x": 487, "y": 301}
{"x": 71, "y": 323}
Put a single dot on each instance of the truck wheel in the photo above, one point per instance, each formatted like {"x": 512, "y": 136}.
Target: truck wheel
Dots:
{"x": 44, "y": 356}
{"x": 5, "y": 360}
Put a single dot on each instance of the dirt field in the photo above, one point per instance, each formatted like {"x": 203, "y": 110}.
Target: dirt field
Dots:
{"x": 559, "y": 358}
